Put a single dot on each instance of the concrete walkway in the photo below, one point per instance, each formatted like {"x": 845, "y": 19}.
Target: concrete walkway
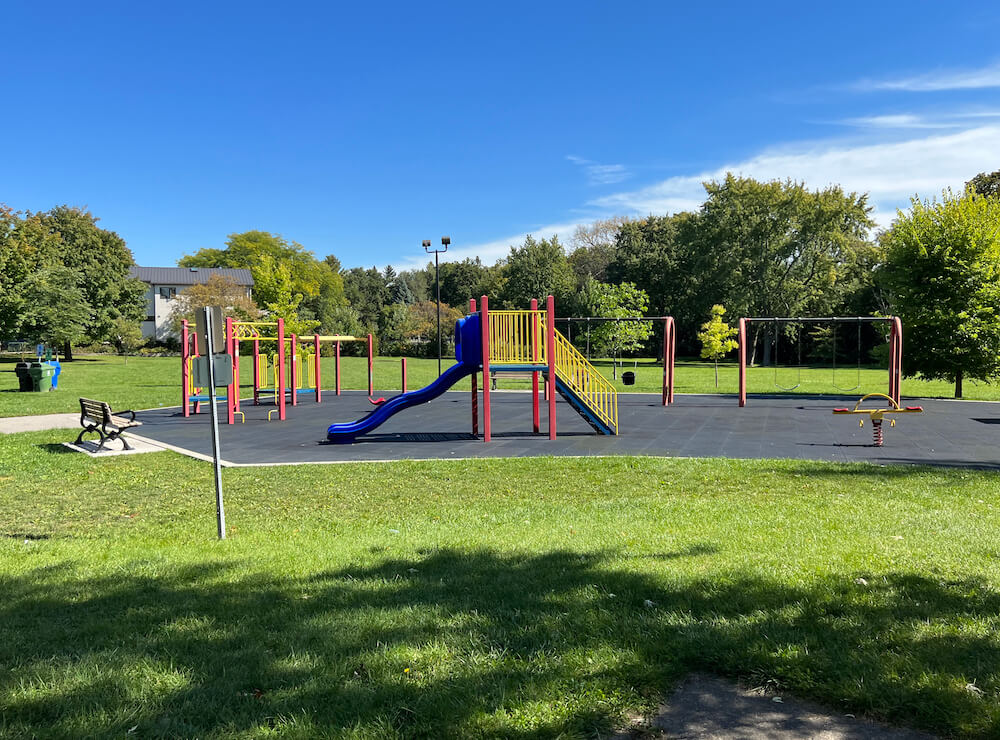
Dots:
{"x": 711, "y": 708}
{"x": 14, "y": 424}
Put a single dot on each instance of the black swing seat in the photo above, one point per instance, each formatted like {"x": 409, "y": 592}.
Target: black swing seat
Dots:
{"x": 97, "y": 417}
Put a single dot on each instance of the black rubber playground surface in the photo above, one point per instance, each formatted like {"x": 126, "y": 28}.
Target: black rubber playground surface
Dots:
{"x": 953, "y": 433}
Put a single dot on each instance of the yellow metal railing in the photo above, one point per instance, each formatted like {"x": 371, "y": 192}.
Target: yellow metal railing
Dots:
{"x": 517, "y": 337}
{"x": 590, "y": 386}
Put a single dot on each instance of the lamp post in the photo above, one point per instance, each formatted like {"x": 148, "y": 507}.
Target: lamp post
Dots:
{"x": 445, "y": 241}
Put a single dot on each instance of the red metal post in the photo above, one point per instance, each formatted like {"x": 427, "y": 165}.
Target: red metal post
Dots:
{"x": 669, "y": 349}
{"x": 281, "y": 369}
{"x": 475, "y": 390}
{"x": 256, "y": 371}
{"x": 371, "y": 366}
{"x": 295, "y": 370}
{"x": 550, "y": 331}
{"x": 402, "y": 362}
{"x": 485, "y": 327}
{"x": 319, "y": 392}
{"x": 535, "y": 351}
{"x": 194, "y": 353}
{"x": 896, "y": 359}
{"x": 233, "y": 389}
{"x": 185, "y": 377}
{"x": 336, "y": 366}
{"x": 741, "y": 336}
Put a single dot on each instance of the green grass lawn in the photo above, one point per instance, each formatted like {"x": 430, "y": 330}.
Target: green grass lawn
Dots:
{"x": 494, "y": 598}
{"x": 146, "y": 382}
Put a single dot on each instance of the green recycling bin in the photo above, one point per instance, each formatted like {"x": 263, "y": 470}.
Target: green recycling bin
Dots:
{"x": 41, "y": 376}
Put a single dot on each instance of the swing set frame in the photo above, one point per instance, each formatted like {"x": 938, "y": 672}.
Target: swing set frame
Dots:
{"x": 895, "y": 346}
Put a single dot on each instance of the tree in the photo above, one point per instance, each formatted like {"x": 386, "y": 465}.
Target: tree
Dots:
{"x": 126, "y": 336}
{"x": 319, "y": 284}
{"x": 216, "y": 291}
{"x": 55, "y": 307}
{"x": 535, "y": 270}
{"x": 460, "y": 281}
{"x": 779, "y": 249}
{"x": 286, "y": 302}
{"x": 618, "y": 301}
{"x": 367, "y": 293}
{"x": 716, "y": 337}
{"x": 422, "y": 323}
{"x": 942, "y": 271}
{"x": 593, "y": 247}
{"x": 985, "y": 183}
{"x": 65, "y": 237}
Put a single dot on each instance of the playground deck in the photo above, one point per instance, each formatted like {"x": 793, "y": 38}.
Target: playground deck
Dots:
{"x": 953, "y": 433}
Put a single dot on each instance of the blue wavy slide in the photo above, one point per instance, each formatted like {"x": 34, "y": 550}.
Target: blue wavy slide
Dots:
{"x": 344, "y": 433}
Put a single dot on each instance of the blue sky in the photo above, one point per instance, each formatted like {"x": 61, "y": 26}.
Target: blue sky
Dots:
{"x": 361, "y": 130}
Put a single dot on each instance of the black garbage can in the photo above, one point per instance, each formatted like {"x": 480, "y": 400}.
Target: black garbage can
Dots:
{"x": 628, "y": 378}
{"x": 23, "y": 376}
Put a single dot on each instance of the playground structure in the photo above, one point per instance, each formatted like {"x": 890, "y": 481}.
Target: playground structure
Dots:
{"x": 283, "y": 374}
{"x": 895, "y": 347}
{"x": 518, "y": 341}
{"x": 876, "y": 415}
{"x": 669, "y": 342}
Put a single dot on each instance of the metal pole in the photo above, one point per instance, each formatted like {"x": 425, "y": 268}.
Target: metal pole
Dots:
{"x": 445, "y": 241}
{"x": 220, "y": 511}
{"x": 437, "y": 291}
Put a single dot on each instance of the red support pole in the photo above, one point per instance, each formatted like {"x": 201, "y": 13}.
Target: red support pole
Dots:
{"x": 194, "y": 353}
{"x": 896, "y": 359}
{"x": 669, "y": 349}
{"x": 295, "y": 370}
{"x": 371, "y": 366}
{"x": 485, "y": 327}
{"x": 535, "y": 352}
{"x": 550, "y": 331}
{"x": 185, "y": 376}
{"x": 233, "y": 389}
{"x": 316, "y": 374}
{"x": 256, "y": 371}
{"x": 741, "y": 336}
{"x": 281, "y": 369}
{"x": 402, "y": 362}
{"x": 475, "y": 390}
{"x": 336, "y": 367}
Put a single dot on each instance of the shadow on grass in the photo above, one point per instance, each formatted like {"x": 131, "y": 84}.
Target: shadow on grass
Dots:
{"x": 57, "y": 448}
{"x": 454, "y": 643}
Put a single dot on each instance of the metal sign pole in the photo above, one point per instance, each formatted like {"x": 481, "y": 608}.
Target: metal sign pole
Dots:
{"x": 210, "y": 344}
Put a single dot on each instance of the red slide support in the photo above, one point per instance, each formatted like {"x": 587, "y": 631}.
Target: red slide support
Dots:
{"x": 484, "y": 320}
{"x": 536, "y": 350}
{"x": 371, "y": 366}
{"x": 669, "y": 355}
{"x": 475, "y": 390}
{"x": 281, "y": 369}
{"x": 550, "y": 351}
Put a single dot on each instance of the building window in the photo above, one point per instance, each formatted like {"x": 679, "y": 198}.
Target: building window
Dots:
{"x": 168, "y": 293}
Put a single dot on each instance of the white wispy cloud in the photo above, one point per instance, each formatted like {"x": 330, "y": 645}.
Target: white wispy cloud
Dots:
{"x": 489, "y": 252}
{"x": 967, "y": 79}
{"x": 600, "y": 174}
{"x": 901, "y": 121}
{"x": 890, "y": 172}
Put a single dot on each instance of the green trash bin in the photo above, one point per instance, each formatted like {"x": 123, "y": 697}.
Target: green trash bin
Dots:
{"x": 41, "y": 376}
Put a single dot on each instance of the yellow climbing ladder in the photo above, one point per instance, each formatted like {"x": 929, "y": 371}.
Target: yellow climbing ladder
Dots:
{"x": 517, "y": 340}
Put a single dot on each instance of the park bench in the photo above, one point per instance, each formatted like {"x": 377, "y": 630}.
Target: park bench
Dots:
{"x": 97, "y": 416}
{"x": 513, "y": 374}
